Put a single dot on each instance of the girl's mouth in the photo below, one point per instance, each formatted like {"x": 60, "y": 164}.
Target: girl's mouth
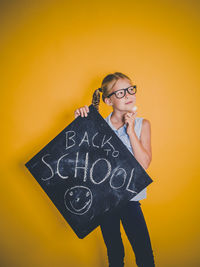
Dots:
{"x": 129, "y": 102}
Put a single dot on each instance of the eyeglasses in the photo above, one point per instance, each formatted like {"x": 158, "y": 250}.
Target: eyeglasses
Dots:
{"x": 122, "y": 92}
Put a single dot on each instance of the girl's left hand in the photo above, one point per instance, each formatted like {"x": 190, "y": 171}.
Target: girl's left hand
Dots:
{"x": 129, "y": 119}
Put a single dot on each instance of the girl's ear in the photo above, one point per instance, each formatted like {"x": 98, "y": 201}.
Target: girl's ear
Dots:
{"x": 108, "y": 101}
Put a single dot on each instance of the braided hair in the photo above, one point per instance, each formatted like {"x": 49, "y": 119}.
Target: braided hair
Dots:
{"x": 96, "y": 98}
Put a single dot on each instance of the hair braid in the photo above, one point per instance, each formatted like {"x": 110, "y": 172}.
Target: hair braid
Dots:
{"x": 96, "y": 98}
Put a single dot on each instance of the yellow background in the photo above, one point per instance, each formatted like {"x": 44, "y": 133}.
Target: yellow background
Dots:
{"x": 54, "y": 54}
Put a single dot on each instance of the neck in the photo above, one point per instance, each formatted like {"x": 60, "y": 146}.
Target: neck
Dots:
{"x": 118, "y": 117}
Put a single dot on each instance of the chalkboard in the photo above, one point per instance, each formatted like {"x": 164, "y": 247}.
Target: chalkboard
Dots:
{"x": 88, "y": 172}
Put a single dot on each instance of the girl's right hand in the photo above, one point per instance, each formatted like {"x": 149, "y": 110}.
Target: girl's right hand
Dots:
{"x": 83, "y": 111}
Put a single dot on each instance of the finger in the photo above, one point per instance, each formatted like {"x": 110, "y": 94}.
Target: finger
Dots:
{"x": 76, "y": 113}
{"x": 135, "y": 114}
{"x": 127, "y": 115}
{"x": 85, "y": 112}
{"x": 128, "y": 118}
{"x": 82, "y": 112}
{"x": 131, "y": 115}
{"x": 87, "y": 108}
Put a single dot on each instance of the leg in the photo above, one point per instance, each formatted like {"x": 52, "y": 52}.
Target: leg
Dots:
{"x": 136, "y": 230}
{"x": 110, "y": 228}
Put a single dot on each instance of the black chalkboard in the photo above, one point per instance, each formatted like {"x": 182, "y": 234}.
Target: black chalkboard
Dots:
{"x": 88, "y": 172}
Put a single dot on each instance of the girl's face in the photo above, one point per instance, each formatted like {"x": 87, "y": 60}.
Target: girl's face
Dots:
{"x": 124, "y": 104}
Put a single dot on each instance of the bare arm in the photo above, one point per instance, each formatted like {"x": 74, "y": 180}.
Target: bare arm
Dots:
{"x": 141, "y": 148}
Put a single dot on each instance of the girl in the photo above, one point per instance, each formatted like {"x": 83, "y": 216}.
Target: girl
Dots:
{"x": 119, "y": 92}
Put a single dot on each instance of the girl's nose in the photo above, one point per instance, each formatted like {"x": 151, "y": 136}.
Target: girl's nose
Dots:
{"x": 126, "y": 95}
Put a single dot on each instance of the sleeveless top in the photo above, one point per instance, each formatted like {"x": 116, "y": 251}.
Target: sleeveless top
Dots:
{"x": 122, "y": 134}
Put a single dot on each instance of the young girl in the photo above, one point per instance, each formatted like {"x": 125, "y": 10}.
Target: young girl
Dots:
{"x": 119, "y": 92}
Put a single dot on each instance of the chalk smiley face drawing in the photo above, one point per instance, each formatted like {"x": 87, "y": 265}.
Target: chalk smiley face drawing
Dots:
{"x": 78, "y": 199}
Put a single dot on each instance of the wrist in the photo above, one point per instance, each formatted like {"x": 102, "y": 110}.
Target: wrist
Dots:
{"x": 131, "y": 132}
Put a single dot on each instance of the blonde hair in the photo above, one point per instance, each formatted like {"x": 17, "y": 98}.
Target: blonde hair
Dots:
{"x": 106, "y": 87}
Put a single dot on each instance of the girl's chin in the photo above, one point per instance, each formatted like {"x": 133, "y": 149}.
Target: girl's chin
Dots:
{"x": 126, "y": 108}
{"x": 129, "y": 107}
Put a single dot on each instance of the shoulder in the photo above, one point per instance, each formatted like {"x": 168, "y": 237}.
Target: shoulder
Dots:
{"x": 143, "y": 122}
{"x": 146, "y": 123}
{"x": 146, "y": 126}
{"x": 107, "y": 118}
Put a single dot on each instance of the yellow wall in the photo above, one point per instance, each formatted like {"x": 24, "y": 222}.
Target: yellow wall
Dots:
{"x": 53, "y": 55}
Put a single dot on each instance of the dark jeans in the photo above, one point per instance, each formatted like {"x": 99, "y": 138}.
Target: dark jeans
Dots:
{"x": 136, "y": 230}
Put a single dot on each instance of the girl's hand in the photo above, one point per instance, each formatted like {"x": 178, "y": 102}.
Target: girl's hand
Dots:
{"x": 129, "y": 119}
{"x": 83, "y": 111}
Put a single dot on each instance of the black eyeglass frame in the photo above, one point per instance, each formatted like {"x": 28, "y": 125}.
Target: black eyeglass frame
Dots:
{"x": 125, "y": 91}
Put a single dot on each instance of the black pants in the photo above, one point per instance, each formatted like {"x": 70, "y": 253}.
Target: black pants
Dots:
{"x": 136, "y": 230}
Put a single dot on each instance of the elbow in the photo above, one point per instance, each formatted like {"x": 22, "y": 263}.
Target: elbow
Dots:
{"x": 147, "y": 162}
